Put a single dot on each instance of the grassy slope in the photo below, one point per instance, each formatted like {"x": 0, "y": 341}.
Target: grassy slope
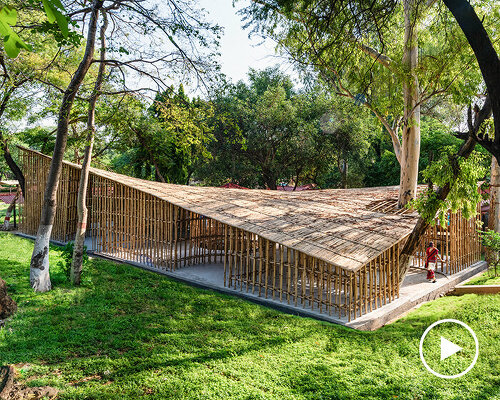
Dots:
{"x": 487, "y": 278}
{"x": 129, "y": 334}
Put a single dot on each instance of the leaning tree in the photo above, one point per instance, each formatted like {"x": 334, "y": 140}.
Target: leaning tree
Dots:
{"x": 479, "y": 130}
{"x": 475, "y": 31}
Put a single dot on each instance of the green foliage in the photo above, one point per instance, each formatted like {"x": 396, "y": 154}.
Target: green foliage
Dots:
{"x": 8, "y": 17}
{"x": 67, "y": 257}
{"x": 168, "y": 138}
{"x": 464, "y": 194}
{"x": 487, "y": 129}
{"x": 491, "y": 240}
{"x": 183, "y": 135}
{"x": 268, "y": 133}
{"x": 11, "y": 41}
{"x": 135, "y": 334}
{"x": 54, "y": 11}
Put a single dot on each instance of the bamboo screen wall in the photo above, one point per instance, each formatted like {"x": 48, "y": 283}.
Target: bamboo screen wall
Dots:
{"x": 136, "y": 226}
{"x": 459, "y": 243}
{"x": 271, "y": 270}
{"x": 35, "y": 171}
{"x": 130, "y": 223}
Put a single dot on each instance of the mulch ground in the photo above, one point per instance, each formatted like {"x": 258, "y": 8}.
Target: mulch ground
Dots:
{"x": 11, "y": 390}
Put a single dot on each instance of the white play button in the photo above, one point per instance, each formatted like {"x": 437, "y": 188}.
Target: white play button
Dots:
{"x": 448, "y": 348}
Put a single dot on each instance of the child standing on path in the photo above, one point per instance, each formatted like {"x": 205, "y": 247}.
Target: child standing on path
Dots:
{"x": 430, "y": 262}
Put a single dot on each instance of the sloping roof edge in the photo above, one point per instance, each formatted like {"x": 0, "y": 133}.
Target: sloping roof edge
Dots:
{"x": 289, "y": 241}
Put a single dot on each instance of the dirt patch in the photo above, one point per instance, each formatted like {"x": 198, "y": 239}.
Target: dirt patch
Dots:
{"x": 7, "y": 305}
{"x": 12, "y": 390}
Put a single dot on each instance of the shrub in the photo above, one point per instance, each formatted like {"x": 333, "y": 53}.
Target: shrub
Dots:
{"x": 491, "y": 240}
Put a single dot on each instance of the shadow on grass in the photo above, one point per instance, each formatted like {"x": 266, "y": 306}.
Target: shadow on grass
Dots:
{"x": 135, "y": 329}
{"x": 137, "y": 316}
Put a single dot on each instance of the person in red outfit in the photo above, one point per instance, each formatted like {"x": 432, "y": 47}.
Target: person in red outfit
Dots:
{"x": 430, "y": 262}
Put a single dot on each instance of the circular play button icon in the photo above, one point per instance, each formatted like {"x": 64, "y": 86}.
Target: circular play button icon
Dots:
{"x": 449, "y": 348}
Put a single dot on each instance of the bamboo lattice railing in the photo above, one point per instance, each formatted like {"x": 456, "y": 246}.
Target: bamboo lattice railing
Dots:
{"x": 273, "y": 271}
{"x": 459, "y": 243}
{"x": 128, "y": 223}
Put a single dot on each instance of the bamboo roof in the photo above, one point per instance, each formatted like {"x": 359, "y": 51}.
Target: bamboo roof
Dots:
{"x": 344, "y": 227}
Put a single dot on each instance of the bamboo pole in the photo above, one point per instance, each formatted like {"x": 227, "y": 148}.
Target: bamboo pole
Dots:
{"x": 226, "y": 234}
{"x": 289, "y": 274}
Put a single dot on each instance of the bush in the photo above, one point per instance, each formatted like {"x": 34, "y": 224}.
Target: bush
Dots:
{"x": 491, "y": 240}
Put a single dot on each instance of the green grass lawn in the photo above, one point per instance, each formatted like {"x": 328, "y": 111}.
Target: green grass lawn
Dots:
{"x": 487, "y": 278}
{"x": 128, "y": 334}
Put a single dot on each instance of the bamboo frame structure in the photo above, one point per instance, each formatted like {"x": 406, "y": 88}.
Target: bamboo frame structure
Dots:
{"x": 331, "y": 251}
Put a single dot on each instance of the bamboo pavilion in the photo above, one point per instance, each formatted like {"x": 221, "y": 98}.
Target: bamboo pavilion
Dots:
{"x": 335, "y": 251}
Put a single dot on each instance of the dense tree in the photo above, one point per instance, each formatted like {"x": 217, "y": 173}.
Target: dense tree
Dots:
{"x": 266, "y": 115}
{"x": 184, "y": 133}
{"x": 164, "y": 141}
{"x": 268, "y": 134}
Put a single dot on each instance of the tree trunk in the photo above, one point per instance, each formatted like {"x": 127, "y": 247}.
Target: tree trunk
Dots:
{"x": 8, "y": 213}
{"x": 269, "y": 179}
{"x": 344, "y": 174}
{"x": 189, "y": 175}
{"x": 441, "y": 194}
{"x": 297, "y": 178}
{"x": 81, "y": 229}
{"x": 410, "y": 150}
{"x": 18, "y": 174}
{"x": 7, "y": 305}
{"x": 494, "y": 213}
{"x": 39, "y": 267}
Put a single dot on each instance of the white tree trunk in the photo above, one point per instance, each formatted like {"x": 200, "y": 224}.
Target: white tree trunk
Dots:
{"x": 39, "y": 277}
{"x": 410, "y": 151}
{"x": 39, "y": 266}
{"x": 81, "y": 229}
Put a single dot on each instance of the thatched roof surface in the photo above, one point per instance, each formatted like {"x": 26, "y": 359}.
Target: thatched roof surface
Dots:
{"x": 344, "y": 227}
